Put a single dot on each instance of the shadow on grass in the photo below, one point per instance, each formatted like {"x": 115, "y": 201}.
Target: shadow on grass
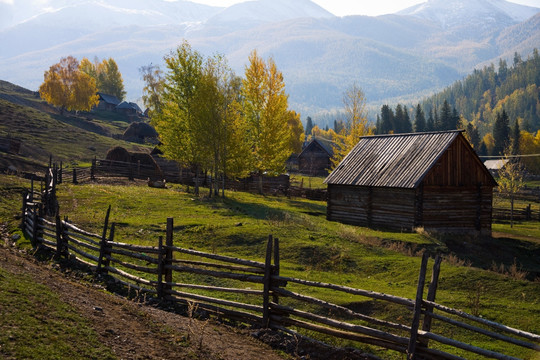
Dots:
{"x": 490, "y": 252}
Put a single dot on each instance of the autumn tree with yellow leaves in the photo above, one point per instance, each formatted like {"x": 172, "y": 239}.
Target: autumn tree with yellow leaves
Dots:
{"x": 265, "y": 111}
{"x": 67, "y": 87}
{"x": 107, "y": 76}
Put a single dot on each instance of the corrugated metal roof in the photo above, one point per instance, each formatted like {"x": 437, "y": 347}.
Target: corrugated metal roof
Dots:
{"x": 400, "y": 160}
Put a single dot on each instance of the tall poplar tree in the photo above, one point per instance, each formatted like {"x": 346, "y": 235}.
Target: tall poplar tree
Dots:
{"x": 265, "y": 110}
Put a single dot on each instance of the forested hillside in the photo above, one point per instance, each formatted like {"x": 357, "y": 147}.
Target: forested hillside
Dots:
{"x": 486, "y": 92}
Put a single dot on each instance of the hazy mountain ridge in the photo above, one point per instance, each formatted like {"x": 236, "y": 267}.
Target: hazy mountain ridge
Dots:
{"x": 389, "y": 56}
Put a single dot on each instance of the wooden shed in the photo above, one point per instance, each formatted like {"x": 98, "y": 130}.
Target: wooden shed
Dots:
{"x": 429, "y": 180}
{"x": 315, "y": 157}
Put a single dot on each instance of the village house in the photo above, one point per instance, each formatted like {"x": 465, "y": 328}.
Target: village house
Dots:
{"x": 315, "y": 157}
{"x": 107, "y": 102}
{"x": 433, "y": 181}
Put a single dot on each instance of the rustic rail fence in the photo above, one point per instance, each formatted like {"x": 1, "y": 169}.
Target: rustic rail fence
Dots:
{"x": 257, "y": 293}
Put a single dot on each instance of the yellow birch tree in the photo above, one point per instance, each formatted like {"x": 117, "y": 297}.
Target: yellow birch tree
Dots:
{"x": 67, "y": 87}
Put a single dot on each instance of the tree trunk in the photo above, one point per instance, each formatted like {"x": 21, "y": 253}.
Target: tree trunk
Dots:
{"x": 197, "y": 180}
{"x": 260, "y": 182}
{"x": 512, "y": 211}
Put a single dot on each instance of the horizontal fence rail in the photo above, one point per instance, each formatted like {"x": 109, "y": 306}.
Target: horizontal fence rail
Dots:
{"x": 256, "y": 293}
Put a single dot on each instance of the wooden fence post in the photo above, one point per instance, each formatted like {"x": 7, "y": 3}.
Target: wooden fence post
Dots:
{"x": 159, "y": 287}
{"x": 103, "y": 242}
{"x": 60, "y": 173}
{"x": 275, "y": 296}
{"x": 32, "y": 189}
{"x": 23, "y": 213}
{"x": 59, "y": 240}
{"x": 168, "y": 256}
{"x": 417, "y": 311}
{"x": 266, "y": 283}
{"x": 432, "y": 291}
{"x": 93, "y": 169}
{"x": 107, "y": 250}
{"x": 75, "y": 176}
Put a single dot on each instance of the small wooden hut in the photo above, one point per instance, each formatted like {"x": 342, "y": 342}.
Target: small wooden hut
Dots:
{"x": 315, "y": 157}
{"x": 430, "y": 180}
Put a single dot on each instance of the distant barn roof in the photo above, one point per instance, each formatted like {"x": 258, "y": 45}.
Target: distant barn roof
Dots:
{"x": 326, "y": 145}
{"x": 110, "y": 99}
{"x": 400, "y": 161}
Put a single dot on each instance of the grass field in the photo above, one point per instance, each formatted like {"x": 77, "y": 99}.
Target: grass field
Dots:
{"x": 315, "y": 249}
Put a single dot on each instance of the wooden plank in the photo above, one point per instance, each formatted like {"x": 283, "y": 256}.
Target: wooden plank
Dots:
{"x": 134, "y": 255}
{"x": 501, "y": 327}
{"x": 484, "y": 332}
{"x": 349, "y": 290}
{"x": 218, "y": 257}
{"x": 212, "y": 300}
{"x": 341, "y": 309}
{"x": 83, "y": 244}
{"x": 464, "y": 346}
{"x": 267, "y": 283}
{"x": 343, "y": 325}
{"x": 217, "y": 288}
{"x": 242, "y": 277}
{"x": 82, "y": 253}
{"x": 145, "y": 269}
{"x": 129, "y": 276}
{"x": 141, "y": 248}
{"x": 220, "y": 266}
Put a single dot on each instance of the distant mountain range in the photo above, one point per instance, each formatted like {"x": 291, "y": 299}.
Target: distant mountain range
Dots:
{"x": 400, "y": 56}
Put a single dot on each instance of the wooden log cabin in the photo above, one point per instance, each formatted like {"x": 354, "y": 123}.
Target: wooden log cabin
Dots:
{"x": 430, "y": 180}
{"x": 315, "y": 157}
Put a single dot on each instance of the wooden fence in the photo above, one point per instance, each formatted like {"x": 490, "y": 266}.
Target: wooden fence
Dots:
{"x": 258, "y": 293}
{"x": 110, "y": 168}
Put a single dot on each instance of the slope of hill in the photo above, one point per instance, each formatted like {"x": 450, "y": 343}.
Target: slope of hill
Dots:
{"x": 419, "y": 50}
{"x": 44, "y": 132}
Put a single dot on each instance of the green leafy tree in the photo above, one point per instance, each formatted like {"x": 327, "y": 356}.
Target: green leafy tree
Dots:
{"x": 107, "y": 76}
{"x": 67, "y": 87}
{"x": 176, "y": 123}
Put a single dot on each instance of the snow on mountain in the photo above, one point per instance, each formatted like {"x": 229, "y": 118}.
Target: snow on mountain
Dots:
{"x": 450, "y": 13}
{"x": 271, "y": 11}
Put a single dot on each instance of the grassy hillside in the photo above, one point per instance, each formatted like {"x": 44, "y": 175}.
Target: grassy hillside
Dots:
{"x": 316, "y": 249}
{"x": 44, "y": 132}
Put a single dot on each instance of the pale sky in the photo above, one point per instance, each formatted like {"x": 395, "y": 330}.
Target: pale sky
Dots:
{"x": 360, "y": 7}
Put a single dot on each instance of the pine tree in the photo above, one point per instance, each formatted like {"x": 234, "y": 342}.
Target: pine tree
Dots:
{"x": 419, "y": 120}
{"x": 515, "y": 138}
{"x": 445, "y": 119}
{"x": 309, "y": 126}
{"x": 430, "y": 124}
{"x": 407, "y": 126}
{"x": 387, "y": 120}
{"x": 501, "y": 133}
